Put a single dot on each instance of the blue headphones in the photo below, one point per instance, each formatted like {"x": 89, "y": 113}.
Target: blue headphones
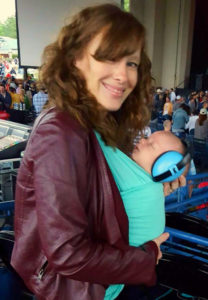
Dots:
{"x": 169, "y": 166}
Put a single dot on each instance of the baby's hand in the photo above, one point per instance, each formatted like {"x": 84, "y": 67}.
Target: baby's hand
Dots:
{"x": 169, "y": 187}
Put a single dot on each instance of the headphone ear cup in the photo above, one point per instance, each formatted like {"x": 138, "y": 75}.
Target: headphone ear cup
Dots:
{"x": 167, "y": 162}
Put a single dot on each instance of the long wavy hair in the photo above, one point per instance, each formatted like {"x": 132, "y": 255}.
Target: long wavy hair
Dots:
{"x": 67, "y": 88}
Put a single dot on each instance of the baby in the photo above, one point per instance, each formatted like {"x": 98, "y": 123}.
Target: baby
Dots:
{"x": 143, "y": 198}
{"x": 148, "y": 150}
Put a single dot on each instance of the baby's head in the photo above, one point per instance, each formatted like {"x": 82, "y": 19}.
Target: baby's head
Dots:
{"x": 148, "y": 150}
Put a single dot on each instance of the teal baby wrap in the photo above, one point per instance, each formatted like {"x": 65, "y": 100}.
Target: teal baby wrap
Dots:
{"x": 143, "y": 201}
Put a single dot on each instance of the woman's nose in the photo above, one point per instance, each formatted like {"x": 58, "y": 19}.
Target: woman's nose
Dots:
{"x": 120, "y": 72}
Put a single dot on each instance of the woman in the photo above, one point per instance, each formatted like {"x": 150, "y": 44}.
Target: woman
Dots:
{"x": 201, "y": 125}
{"x": 167, "y": 108}
{"x": 71, "y": 229}
{"x": 193, "y": 102}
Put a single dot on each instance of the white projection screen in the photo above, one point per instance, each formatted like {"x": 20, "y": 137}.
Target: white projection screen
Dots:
{"x": 38, "y": 23}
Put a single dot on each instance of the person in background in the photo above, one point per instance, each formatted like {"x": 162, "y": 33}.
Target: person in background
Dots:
{"x": 190, "y": 125}
{"x": 165, "y": 94}
{"x": 167, "y": 124}
{"x": 71, "y": 228}
{"x": 167, "y": 108}
{"x": 5, "y": 97}
{"x": 16, "y": 99}
{"x": 13, "y": 82}
{"x": 190, "y": 169}
{"x": 24, "y": 100}
{"x": 179, "y": 100}
{"x": 159, "y": 100}
{"x": 28, "y": 82}
{"x": 203, "y": 103}
{"x": 180, "y": 118}
{"x": 172, "y": 95}
{"x": 201, "y": 96}
{"x": 31, "y": 92}
{"x": 201, "y": 125}
{"x": 193, "y": 102}
{"x": 32, "y": 88}
{"x": 40, "y": 99}
{"x": 19, "y": 88}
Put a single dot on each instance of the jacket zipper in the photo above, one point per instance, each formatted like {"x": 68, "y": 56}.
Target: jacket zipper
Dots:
{"x": 42, "y": 270}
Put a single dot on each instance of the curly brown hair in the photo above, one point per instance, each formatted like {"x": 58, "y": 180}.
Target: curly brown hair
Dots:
{"x": 66, "y": 85}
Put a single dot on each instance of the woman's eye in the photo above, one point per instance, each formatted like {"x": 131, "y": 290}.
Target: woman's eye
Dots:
{"x": 132, "y": 64}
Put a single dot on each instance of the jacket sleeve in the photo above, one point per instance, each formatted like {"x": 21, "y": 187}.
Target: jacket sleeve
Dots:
{"x": 61, "y": 182}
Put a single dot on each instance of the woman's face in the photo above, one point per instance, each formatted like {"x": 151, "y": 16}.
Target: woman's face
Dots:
{"x": 110, "y": 81}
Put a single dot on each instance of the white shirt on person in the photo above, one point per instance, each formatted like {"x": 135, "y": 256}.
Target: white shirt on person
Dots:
{"x": 191, "y": 123}
{"x": 172, "y": 97}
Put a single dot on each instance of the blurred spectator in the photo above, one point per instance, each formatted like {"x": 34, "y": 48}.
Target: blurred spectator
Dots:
{"x": 2, "y": 69}
{"x": 179, "y": 100}
{"x": 192, "y": 122}
{"x": 32, "y": 88}
{"x": 16, "y": 99}
{"x": 5, "y": 97}
{"x": 39, "y": 99}
{"x": 193, "y": 102}
{"x": 204, "y": 103}
{"x": 159, "y": 101}
{"x": 27, "y": 83}
{"x": 155, "y": 108}
{"x": 13, "y": 72}
{"x": 201, "y": 126}
{"x": 19, "y": 88}
{"x": 24, "y": 99}
{"x": 167, "y": 108}
{"x": 201, "y": 95}
{"x": 180, "y": 118}
{"x": 165, "y": 94}
{"x": 167, "y": 125}
{"x": 172, "y": 95}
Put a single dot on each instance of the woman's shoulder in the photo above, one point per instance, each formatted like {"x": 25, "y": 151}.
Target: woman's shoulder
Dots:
{"x": 54, "y": 122}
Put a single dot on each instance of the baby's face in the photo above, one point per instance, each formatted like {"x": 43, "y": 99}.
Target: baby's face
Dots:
{"x": 147, "y": 150}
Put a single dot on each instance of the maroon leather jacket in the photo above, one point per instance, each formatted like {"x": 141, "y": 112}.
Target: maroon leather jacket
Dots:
{"x": 71, "y": 230}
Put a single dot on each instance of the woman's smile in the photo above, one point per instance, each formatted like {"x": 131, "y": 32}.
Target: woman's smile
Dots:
{"x": 115, "y": 91}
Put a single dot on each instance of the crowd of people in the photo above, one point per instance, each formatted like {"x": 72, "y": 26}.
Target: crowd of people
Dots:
{"x": 187, "y": 114}
{"x": 25, "y": 95}
{"x": 9, "y": 67}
